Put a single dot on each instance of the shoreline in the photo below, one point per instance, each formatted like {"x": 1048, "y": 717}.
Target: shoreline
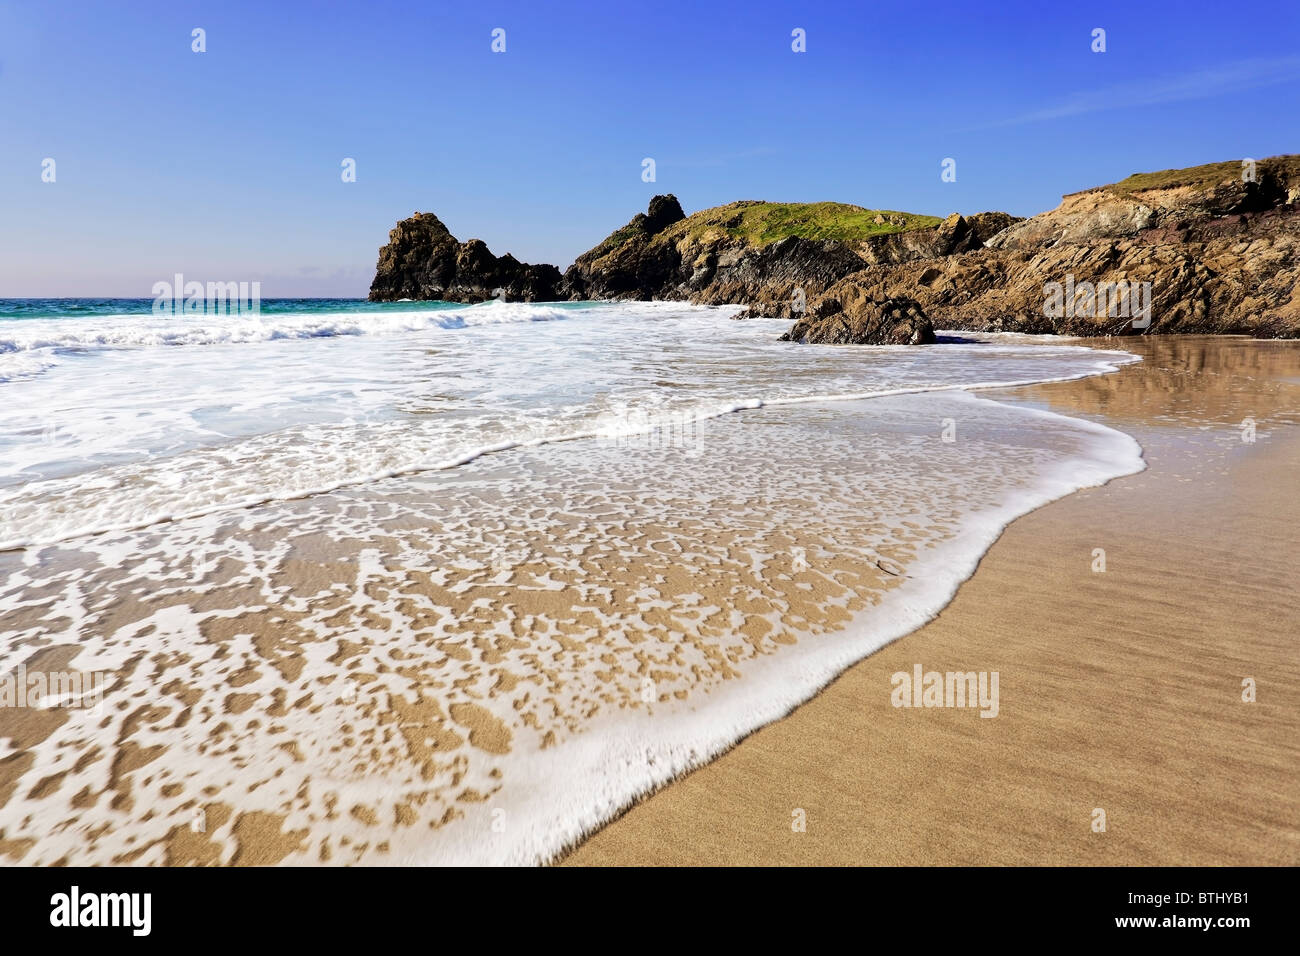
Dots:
{"x": 1099, "y": 664}
{"x": 349, "y": 631}
{"x": 257, "y": 657}
{"x": 677, "y": 740}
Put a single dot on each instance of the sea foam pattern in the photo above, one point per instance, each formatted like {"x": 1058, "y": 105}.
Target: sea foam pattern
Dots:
{"x": 124, "y": 436}
{"x": 479, "y": 662}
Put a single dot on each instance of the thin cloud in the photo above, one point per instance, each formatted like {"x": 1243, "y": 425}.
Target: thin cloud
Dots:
{"x": 1230, "y": 78}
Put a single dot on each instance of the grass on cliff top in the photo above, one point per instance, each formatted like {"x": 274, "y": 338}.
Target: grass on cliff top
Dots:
{"x": 764, "y": 222}
{"x": 1286, "y": 168}
{"x": 611, "y": 242}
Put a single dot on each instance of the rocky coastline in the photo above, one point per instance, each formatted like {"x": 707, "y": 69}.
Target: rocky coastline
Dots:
{"x": 1214, "y": 249}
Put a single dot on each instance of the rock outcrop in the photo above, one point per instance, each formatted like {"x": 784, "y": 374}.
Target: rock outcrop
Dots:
{"x": 1220, "y": 256}
{"x": 773, "y": 257}
{"x": 423, "y": 260}
{"x": 622, "y": 267}
{"x": 843, "y": 316}
{"x": 1210, "y": 248}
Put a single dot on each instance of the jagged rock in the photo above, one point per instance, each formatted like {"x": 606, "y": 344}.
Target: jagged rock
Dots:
{"x": 725, "y": 255}
{"x": 778, "y": 280}
{"x": 1220, "y": 250}
{"x": 619, "y": 268}
{"x": 1221, "y": 256}
{"x": 663, "y": 212}
{"x": 844, "y": 316}
{"x": 986, "y": 225}
{"x": 423, "y": 260}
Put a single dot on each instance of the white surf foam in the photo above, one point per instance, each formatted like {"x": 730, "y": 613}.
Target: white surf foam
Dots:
{"x": 326, "y": 458}
{"x": 880, "y": 458}
{"x": 593, "y": 776}
{"x": 118, "y": 439}
{"x": 142, "y": 331}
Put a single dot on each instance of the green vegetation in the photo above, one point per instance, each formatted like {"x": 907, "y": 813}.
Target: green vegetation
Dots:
{"x": 1286, "y": 168}
{"x": 765, "y": 222}
{"x": 612, "y": 241}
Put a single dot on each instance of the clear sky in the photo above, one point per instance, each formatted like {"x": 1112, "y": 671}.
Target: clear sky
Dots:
{"x": 225, "y": 165}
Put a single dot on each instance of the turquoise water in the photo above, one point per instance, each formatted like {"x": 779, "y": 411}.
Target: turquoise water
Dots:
{"x": 72, "y": 308}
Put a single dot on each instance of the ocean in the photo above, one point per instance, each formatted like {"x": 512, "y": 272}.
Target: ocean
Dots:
{"x": 426, "y": 582}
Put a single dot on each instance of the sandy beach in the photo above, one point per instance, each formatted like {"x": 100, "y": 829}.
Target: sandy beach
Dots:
{"x": 1121, "y": 690}
{"x": 488, "y": 663}
{"x": 649, "y": 436}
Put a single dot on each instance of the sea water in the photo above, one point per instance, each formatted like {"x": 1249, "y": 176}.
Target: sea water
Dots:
{"x": 425, "y": 582}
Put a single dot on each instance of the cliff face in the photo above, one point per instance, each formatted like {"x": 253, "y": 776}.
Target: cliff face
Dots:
{"x": 622, "y": 267}
{"x": 756, "y": 253}
{"x": 423, "y": 260}
{"x": 1219, "y": 254}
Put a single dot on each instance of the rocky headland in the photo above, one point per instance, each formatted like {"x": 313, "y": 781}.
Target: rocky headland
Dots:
{"x": 1219, "y": 249}
{"x": 423, "y": 260}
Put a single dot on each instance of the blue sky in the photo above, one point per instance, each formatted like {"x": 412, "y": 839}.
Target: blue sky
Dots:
{"x": 225, "y": 165}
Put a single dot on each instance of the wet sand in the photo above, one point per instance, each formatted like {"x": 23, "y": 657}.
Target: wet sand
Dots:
{"x": 486, "y": 663}
{"x": 393, "y": 673}
{"x": 1120, "y": 690}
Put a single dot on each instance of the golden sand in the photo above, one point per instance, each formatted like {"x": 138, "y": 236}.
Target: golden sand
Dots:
{"x": 348, "y": 679}
{"x": 1121, "y": 690}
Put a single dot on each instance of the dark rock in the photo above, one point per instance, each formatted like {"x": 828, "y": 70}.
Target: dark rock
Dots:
{"x": 1216, "y": 262}
{"x": 620, "y": 267}
{"x": 663, "y": 212}
{"x": 844, "y": 316}
{"x": 423, "y": 260}
{"x": 1220, "y": 254}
